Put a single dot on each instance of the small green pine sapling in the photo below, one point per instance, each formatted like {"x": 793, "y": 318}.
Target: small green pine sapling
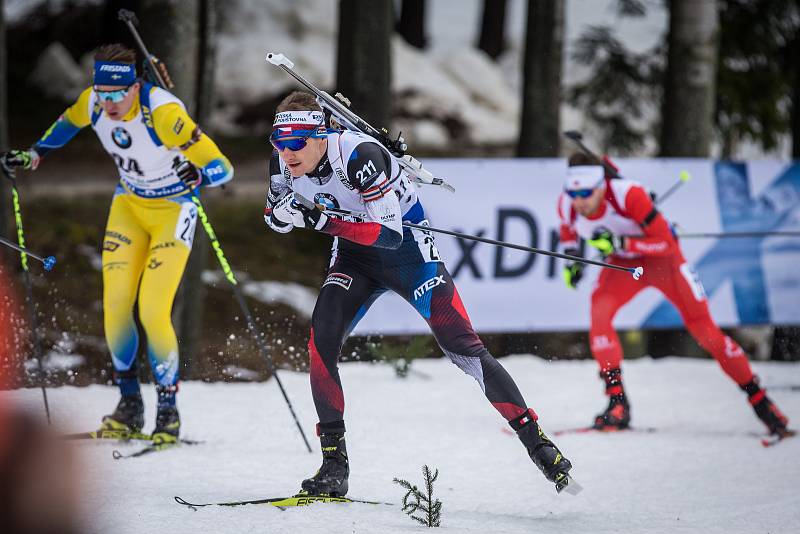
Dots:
{"x": 415, "y": 500}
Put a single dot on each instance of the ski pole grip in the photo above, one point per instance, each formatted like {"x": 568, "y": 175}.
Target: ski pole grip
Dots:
{"x": 280, "y": 60}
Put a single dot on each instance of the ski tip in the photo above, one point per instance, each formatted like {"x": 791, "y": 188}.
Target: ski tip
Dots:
{"x": 568, "y": 484}
{"x": 279, "y": 60}
{"x": 185, "y": 503}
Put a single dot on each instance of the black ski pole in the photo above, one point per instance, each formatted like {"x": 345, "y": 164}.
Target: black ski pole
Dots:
{"x": 31, "y": 304}
{"x": 263, "y": 350}
{"x": 636, "y": 272}
{"x": 47, "y": 262}
{"x": 738, "y": 235}
{"x": 130, "y": 18}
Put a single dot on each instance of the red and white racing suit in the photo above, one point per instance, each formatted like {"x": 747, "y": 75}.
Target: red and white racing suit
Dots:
{"x": 627, "y": 210}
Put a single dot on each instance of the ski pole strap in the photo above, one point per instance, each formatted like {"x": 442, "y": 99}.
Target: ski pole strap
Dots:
{"x": 649, "y": 218}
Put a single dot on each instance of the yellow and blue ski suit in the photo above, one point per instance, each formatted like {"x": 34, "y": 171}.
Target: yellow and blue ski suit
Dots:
{"x": 152, "y": 219}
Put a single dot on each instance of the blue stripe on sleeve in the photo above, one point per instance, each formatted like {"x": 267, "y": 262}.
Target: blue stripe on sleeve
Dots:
{"x": 58, "y": 135}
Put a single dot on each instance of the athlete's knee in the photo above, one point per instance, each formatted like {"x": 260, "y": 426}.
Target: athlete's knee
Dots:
{"x": 154, "y": 315}
{"x": 706, "y": 332}
{"x": 466, "y": 343}
{"x": 118, "y": 301}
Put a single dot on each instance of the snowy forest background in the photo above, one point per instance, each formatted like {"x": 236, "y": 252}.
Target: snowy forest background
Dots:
{"x": 459, "y": 78}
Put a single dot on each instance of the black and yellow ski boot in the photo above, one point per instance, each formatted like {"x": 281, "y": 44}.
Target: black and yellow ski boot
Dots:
{"x": 543, "y": 451}
{"x": 168, "y": 426}
{"x": 168, "y": 421}
{"x": 127, "y": 420}
{"x": 331, "y": 478}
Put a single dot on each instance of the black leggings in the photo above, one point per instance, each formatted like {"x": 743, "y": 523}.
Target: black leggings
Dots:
{"x": 358, "y": 276}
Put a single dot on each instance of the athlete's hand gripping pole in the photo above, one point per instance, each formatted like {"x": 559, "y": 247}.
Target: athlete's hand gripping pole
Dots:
{"x": 26, "y": 275}
{"x": 351, "y": 121}
{"x": 636, "y": 272}
{"x": 129, "y": 18}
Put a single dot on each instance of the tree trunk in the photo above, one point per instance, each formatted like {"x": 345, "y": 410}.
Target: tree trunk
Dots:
{"x": 192, "y": 292}
{"x": 364, "y": 70}
{"x": 493, "y": 27}
{"x": 412, "y": 23}
{"x": 171, "y": 30}
{"x": 541, "y": 85}
{"x": 688, "y": 107}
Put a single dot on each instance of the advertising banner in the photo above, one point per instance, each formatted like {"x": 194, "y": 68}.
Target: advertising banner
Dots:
{"x": 748, "y": 281}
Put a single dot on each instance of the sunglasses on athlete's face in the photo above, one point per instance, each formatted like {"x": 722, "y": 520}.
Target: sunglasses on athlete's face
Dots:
{"x": 292, "y": 143}
{"x": 586, "y": 192}
{"x": 580, "y": 193}
{"x": 115, "y": 96}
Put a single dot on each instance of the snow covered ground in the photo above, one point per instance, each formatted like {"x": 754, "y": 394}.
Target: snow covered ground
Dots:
{"x": 704, "y": 470}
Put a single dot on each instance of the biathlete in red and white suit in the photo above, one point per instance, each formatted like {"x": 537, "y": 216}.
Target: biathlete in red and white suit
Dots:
{"x": 618, "y": 218}
{"x": 373, "y": 253}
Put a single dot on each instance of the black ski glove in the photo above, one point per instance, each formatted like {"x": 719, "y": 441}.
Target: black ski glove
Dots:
{"x": 25, "y": 159}
{"x": 189, "y": 174}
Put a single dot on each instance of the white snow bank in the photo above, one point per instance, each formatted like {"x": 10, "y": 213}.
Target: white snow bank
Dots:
{"x": 294, "y": 295}
{"x": 701, "y": 471}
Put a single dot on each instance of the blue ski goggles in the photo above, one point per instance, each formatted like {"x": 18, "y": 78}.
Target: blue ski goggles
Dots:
{"x": 115, "y": 96}
{"x": 580, "y": 193}
{"x": 297, "y": 141}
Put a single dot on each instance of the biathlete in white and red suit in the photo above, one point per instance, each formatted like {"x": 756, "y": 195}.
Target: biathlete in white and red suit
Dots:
{"x": 618, "y": 218}
{"x": 373, "y": 253}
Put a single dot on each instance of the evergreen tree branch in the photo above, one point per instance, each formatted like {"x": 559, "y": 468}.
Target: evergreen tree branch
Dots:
{"x": 414, "y": 500}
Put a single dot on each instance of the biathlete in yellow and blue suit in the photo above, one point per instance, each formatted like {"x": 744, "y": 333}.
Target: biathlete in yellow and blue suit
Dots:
{"x": 161, "y": 154}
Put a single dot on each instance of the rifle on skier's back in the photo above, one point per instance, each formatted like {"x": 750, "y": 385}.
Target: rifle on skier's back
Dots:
{"x": 338, "y": 108}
